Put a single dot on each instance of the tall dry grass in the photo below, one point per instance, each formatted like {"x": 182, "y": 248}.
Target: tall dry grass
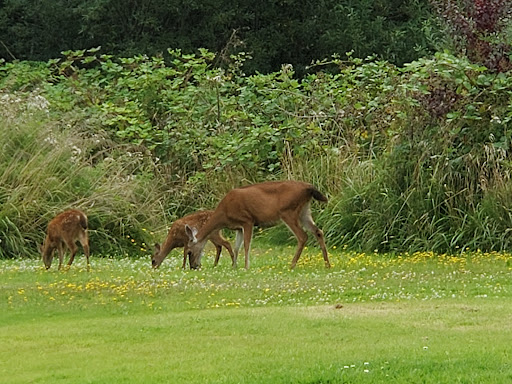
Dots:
{"x": 47, "y": 167}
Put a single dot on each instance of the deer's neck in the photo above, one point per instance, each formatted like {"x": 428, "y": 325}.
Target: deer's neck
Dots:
{"x": 215, "y": 223}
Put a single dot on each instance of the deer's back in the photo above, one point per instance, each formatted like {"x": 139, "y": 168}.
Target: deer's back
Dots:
{"x": 68, "y": 224}
{"x": 196, "y": 220}
{"x": 264, "y": 202}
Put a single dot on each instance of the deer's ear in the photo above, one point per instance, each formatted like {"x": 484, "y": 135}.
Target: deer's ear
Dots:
{"x": 157, "y": 247}
{"x": 191, "y": 232}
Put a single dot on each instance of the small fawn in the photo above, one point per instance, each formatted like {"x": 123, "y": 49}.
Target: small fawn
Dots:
{"x": 177, "y": 237}
{"x": 64, "y": 230}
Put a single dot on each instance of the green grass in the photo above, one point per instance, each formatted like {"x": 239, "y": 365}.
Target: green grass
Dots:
{"x": 372, "y": 318}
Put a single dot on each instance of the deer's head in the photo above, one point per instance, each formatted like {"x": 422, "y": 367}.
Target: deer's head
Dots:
{"x": 46, "y": 255}
{"x": 156, "y": 259}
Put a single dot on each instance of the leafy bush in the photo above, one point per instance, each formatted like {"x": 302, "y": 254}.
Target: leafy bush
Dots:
{"x": 479, "y": 29}
{"x": 412, "y": 158}
{"x": 440, "y": 181}
{"x": 274, "y": 33}
{"x": 46, "y": 168}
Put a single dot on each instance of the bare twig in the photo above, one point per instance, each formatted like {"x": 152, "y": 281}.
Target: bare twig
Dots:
{"x": 8, "y": 50}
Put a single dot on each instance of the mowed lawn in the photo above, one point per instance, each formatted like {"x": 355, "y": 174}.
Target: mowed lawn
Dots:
{"x": 419, "y": 318}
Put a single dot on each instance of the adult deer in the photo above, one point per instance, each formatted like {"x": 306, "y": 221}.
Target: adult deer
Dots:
{"x": 261, "y": 204}
{"x": 177, "y": 237}
{"x": 64, "y": 230}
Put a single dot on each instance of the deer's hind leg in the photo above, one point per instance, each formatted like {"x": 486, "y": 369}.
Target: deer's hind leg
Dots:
{"x": 61, "y": 250}
{"x": 219, "y": 241}
{"x": 73, "y": 249}
{"x": 239, "y": 239}
{"x": 308, "y": 223}
{"x": 292, "y": 222}
{"x": 247, "y": 232}
{"x": 83, "y": 238}
{"x": 218, "y": 250}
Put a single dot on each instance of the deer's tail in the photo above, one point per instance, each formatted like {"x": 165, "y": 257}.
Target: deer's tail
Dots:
{"x": 317, "y": 195}
{"x": 83, "y": 221}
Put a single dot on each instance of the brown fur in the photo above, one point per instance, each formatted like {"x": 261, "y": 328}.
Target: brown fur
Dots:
{"x": 178, "y": 238}
{"x": 64, "y": 231}
{"x": 261, "y": 204}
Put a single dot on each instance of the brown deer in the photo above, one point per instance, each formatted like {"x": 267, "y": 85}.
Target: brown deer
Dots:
{"x": 261, "y": 204}
{"x": 177, "y": 237}
{"x": 64, "y": 230}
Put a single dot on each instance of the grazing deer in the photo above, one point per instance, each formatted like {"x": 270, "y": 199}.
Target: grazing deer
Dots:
{"x": 261, "y": 205}
{"x": 177, "y": 237}
{"x": 64, "y": 230}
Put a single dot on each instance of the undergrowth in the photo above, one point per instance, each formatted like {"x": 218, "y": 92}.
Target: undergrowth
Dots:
{"x": 411, "y": 158}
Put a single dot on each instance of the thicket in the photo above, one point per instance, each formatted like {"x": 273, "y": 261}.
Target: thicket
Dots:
{"x": 411, "y": 158}
{"x": 49, "y": 163}
{"x": 480, "y": 29}
{"x": 273, "y": 32}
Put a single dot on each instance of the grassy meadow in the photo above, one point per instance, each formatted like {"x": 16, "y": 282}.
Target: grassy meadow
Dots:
{"x": 412, "y": 158}
{"x": 372, "y": 318}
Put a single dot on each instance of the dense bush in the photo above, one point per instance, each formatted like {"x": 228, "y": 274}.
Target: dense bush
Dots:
{"x": 47, "y": 166}
{"x": 479, "y": 29}
{"x": 273, "y": 32}
{"x": 441, "y": 180}
{"x": 411, "y": 158}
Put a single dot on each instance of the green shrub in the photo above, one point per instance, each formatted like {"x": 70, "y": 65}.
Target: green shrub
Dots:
{"x": 411, "y": 158}
{"x": 46, "y": 168}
